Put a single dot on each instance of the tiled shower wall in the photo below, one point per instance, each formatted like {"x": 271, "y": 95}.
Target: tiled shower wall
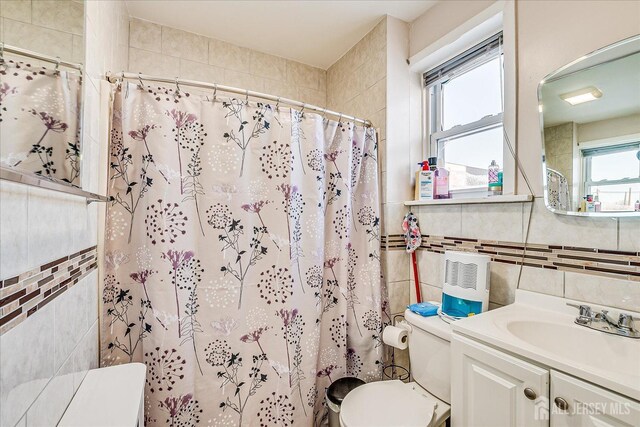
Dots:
{"x": 45, "y": 356}
{"x": 51, "y": 27}
{"x": 165, "y": 51}
{"x": 358, "y": 84}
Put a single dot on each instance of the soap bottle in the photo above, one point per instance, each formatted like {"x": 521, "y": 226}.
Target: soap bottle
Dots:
{"x": 636, "y": 207}
{"x": 590, "y": 204}
{"x": 442, "y": 182}
{"x": 597, "y": 204}
{"x": 424, "y": 182}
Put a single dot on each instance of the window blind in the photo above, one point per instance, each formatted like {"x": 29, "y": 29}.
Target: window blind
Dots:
{"x": 475, "y": 52}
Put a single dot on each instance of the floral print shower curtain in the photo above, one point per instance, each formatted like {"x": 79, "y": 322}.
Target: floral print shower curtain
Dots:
{"x": 40, "y": 120}
{"x": 242, "y": 257}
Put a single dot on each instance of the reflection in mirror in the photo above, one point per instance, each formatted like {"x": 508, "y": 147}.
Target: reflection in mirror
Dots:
{"x": 590, "y": 112}
{"x": 41, "y": 49}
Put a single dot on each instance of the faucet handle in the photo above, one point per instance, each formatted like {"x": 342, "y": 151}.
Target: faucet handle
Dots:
{"x": 584, "y": 310}
{"x": 624, "y": 321}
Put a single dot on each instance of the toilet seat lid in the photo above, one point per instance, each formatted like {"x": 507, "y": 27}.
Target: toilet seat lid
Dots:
{"x": 386, "y": 403}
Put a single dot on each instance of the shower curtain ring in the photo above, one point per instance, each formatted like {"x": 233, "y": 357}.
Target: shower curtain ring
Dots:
{"x": 57, "y": 71}
{"x": 246, "y": 95}
{"x": 215, "y": 91}
{"x": 340, "y": 118}
{"x": 278, "y": 104}
{"x": 139, "y": 79}
{"x": 1, "y": 52}
{"x": 177, "y": 87}
{"x": 302, "y": 110}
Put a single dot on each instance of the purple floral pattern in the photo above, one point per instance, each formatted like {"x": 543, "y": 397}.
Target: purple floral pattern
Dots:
{"x": 244, "y": 303}
{"x": 40, "y": 121}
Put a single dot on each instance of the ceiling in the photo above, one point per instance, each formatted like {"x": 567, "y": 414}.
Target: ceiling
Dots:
{"x": 618, "y": 80}
{"x": 315, "y": 32}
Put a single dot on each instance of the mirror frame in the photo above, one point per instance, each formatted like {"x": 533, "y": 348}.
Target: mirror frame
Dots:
{"x": 560, "y": 72}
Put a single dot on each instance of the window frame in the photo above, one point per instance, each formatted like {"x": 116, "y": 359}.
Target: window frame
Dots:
{"x": 434, "y": 102}
{"x": 587, "y": 155}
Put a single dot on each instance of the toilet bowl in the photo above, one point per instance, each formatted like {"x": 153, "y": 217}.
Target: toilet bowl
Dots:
{"x": 424, "y": 402}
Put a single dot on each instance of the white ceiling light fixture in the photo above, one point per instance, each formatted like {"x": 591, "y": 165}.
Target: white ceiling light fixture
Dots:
{"x": 586, "y": 94}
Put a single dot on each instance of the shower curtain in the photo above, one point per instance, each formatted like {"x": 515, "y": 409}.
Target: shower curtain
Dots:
{"x": 242, "y": 257}
{"x": 40, "y": 120}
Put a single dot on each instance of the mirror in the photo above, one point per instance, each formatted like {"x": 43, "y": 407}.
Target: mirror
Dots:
{"x": 590, "y": 121}
{"x": 42, "y": 48}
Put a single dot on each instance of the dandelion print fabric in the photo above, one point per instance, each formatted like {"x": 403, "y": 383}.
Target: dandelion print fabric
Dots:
{"x": 242, "y": 257}
{"x": 40, "y": 120}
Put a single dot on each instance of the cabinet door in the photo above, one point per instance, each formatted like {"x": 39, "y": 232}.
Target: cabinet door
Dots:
{"x": 589, "y": 405}
{"x": 488, "y": 388}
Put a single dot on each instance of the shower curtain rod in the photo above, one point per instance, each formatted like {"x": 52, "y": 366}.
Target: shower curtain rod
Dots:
{"x": 35, "y": 55}
{"x": 113, "y": 78}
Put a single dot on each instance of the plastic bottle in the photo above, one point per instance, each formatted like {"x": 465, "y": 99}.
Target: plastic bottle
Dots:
{"x": 424, "y": 182}
{"x": 492, "y": 173}
{"x": 442, "y": 182}
{"x": 636, "y": 207}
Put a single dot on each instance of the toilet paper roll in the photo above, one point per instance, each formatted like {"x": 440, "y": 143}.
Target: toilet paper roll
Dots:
{"x": 395, "y": 337}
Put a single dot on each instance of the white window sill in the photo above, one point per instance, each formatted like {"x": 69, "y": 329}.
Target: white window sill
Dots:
{"x": 510, "y": 198}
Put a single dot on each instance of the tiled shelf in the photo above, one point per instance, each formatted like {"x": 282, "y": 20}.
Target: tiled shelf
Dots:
{"x": 512, "y": 198}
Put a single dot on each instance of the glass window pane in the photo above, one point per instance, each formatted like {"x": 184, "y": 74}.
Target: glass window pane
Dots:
{"x": 472, "y": 95}
{"x": 619, "y": 165}
{"x": 468, "y": 157}
{"x": 619, "y": 197}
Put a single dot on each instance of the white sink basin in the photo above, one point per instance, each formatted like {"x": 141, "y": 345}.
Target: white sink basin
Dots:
{"x": 577, "y": 343}
{"x": 541, "y": 328}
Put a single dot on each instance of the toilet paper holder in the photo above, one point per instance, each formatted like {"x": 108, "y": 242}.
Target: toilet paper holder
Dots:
{"x": 394, "y": 371}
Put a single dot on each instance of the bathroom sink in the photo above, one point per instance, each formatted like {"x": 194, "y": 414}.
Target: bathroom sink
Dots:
{"x": 575, "y": 343}
{"x": 541, "y": 328}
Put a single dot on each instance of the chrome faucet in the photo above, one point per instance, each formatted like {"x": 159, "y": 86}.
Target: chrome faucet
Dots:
{"x": 603, "y": 322}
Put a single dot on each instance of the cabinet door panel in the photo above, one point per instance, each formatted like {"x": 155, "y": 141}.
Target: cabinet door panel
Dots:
{"x": 590, "y": 405}
{"x": 488, "y": 388}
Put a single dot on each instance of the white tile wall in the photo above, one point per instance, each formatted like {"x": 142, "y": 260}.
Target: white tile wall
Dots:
{"x": 44, "y": 359}
{"x": 51, "y": 27}
{"x": 13, "y": 227}
{"x": 629, "y": 234}
{"x": 440, "y": 220}
{"x": 26, "y": 362}
{"x": 495, "y": 221}
{"x": 623, "y": 294}
{"x": 508, "y": 222}
{"x": 166, "y": 51}
{"x": 549, "y": 228}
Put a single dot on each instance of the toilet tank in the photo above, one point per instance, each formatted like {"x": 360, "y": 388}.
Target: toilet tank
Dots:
{"x": 430, "y": 354}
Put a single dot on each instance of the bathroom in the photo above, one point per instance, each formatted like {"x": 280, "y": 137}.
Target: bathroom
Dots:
{"x": 202, "y": 211}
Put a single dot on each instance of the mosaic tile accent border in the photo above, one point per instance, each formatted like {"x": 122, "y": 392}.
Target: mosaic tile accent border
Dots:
{"x": 392, "y": 242}
{"x": 23, "y": 295}
{"x": 601, "y": 262}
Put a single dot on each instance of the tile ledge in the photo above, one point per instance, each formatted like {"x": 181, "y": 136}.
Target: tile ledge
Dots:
{"x": 511, "y": 198}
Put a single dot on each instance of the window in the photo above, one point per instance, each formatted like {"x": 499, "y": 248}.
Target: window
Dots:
{"x": 465, "y": 109}
{"x": 613, "y": 174}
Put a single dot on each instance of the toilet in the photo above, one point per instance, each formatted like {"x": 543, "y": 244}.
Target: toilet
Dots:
{"x": 423, "y": 402}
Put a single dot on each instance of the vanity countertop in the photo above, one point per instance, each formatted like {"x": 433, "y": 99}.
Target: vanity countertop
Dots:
{"x": 541, "y": 328}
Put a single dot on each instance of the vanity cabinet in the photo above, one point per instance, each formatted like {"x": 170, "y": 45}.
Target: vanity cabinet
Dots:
{"x": 490, "y": 388}
{"x": 589, "y": 405}
{"x": 493, "y": 389}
